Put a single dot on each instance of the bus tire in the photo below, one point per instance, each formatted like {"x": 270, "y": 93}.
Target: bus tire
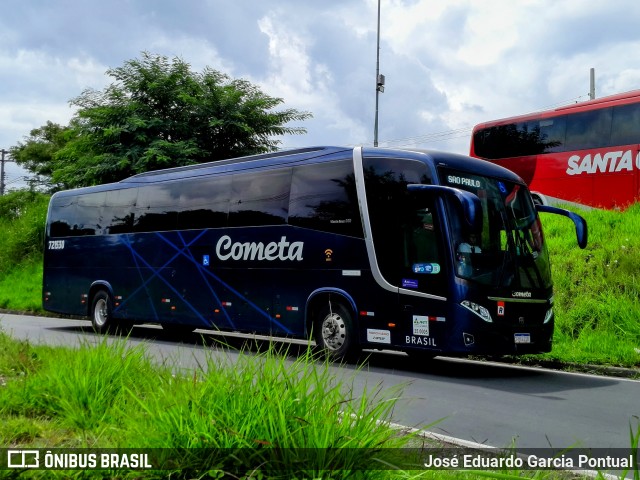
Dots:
{"x": 102, "y": 312}
{"x": 334, "y": 333}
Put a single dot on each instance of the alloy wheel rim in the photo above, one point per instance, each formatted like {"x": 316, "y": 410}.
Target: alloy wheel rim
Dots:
{"x": 334, "y": 331}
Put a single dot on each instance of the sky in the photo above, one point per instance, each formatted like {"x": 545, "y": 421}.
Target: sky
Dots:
{"x": 448, "y": 64}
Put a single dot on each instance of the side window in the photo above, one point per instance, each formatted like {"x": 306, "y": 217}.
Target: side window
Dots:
{"x": 260, "y": 198}
{"x": 420, "y": 239}
{"x": 521, "y": 139}
{"x": 204, "y": 203}
{"x": 61, "y": 216}
{"x": 589, "y": 129}
{"x": 89, "y": 214}
{"x": 501, "y": 141}
{"x": 552, "y": 134}
{"x": 156, "y": 208}
{"x": 323, "y": 197}
{"x": 404, "y": 225}
{"x": 423, "y": 258}
{"x": 119, "y": 210}
{"x": 92, "y": 214}
{"x": 625, "y": 129}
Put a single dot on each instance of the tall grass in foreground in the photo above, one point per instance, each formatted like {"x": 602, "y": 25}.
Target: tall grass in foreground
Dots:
{"x": 249, "y": 416}
{"x": 249, "y": 412}
{"x": 284, "y": 414}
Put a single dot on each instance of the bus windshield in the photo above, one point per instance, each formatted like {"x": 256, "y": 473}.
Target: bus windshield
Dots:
{"x": 507, "y": 250}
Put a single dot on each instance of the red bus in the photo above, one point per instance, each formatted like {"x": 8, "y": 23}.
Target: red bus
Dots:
{"x": 588, "y": 153}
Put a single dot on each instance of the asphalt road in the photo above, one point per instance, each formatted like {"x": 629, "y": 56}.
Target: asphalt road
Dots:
{"x": 488, "y": 403}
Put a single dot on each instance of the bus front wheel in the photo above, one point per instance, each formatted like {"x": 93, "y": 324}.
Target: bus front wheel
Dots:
{"x": 333, "y": 331}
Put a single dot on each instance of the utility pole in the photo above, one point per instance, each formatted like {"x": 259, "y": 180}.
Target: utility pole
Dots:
{"x": 592, "y": 84}
{"x": 379, "y": 81}
{"x": 2, "y": 160}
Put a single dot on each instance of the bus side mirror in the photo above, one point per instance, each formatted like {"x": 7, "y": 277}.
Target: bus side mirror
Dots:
{"x": 580, "y": 223}
{"x": 469, "y": 202}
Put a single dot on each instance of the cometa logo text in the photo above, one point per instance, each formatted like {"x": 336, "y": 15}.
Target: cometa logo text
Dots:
{"x": 227, "y": 249}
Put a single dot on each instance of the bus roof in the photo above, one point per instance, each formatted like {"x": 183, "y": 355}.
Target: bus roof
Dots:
{"x": 300, "y": 156}
{"x": 632, "y": 96}
{"x": 283, "y": 157}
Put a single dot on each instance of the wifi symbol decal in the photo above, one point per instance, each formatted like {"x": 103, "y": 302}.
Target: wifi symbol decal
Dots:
{"x": 328, "y": 253}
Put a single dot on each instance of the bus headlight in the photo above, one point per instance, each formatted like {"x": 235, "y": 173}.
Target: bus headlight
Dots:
{"x": 479, "y": 310}
{"x": 548, "y": 316}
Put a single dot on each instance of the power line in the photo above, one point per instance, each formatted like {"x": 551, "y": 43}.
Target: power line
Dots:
{"x": 431, "y": 137}
{"x": 15, "y": 180}
{"x": 560, "y": 104}
{"x": 464, "y": 131}
{"x": 426, "y": 138}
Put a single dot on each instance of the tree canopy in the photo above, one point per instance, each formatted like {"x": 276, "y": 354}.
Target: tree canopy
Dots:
{"x": 37, "y": 152}
{"x": 157, "y": 113}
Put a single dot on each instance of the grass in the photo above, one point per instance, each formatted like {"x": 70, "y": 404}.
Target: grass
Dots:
{"x": 21, "y": 287}
{"x": 248, "y": 415}
{"x": 258, "y": 413}
{"x": 110, "y": 396}
{"x": 597, "y": 290}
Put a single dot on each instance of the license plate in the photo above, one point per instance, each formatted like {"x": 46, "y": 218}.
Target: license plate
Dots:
{"x": 522, "y": 338}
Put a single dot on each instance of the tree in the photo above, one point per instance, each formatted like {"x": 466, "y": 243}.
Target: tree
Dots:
{"x": 37, "y": 152}
{"x": 158, "y": 114}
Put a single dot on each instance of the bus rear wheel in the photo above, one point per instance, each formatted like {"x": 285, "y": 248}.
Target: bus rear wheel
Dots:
{"x": 102, "y": 319}
{"x": 333, "y": 331}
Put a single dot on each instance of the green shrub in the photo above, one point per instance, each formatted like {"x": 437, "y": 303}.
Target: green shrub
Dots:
{"x": 22, "y": 223}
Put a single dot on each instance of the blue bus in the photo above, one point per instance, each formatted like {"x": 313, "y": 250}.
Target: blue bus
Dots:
{"x": 423, "y": 252}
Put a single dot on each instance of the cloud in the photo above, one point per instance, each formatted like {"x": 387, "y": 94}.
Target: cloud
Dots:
{"x": 39, "y": 88}
{"x": 448, "y": 65}
{"x": 306, "y": 82}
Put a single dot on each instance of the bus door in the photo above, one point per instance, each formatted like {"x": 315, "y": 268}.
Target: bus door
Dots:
{"x": 407, "y": 236}
{"x": 410, "y": 255}
{"x": 422, "y": 279}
